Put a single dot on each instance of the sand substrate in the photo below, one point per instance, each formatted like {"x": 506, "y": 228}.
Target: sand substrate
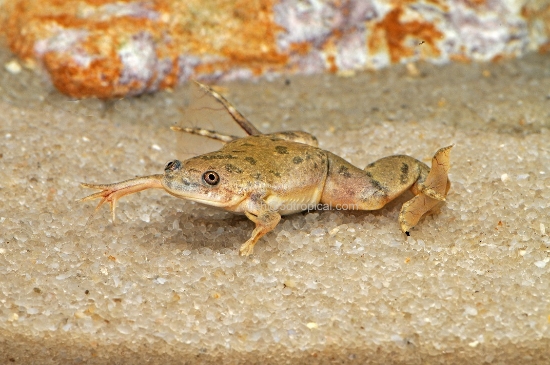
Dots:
{"x": 165, "y": 284}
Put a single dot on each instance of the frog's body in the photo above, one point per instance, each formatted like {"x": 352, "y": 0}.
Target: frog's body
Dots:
{"x": 268, "y": 175}
{"x": 253, "y": 171}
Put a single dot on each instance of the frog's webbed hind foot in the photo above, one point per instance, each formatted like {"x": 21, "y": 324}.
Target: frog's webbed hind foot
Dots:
{"x": 428, "y": 193}
{"x": 112, "y": 192}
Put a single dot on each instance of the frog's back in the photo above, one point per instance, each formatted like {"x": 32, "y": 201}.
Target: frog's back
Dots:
{"x": 287, "y": 172}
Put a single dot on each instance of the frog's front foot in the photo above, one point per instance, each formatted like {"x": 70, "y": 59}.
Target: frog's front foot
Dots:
{"x": 265, "y": 221}
{"x": 247, "y": 248}
{"x": 112, "y": 192}
{"x": 432, "y": 191}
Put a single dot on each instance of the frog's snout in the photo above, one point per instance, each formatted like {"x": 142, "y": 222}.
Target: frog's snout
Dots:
{"x": 171, "y": 166}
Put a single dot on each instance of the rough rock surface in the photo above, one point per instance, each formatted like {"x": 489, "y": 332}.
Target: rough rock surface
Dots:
{"x": 108, "y": 48}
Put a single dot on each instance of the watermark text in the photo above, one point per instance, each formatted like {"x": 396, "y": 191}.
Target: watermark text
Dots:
{"x": 300, "y": 207}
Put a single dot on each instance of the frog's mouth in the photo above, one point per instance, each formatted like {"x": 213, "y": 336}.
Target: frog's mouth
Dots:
{"x": 194, "y": 192}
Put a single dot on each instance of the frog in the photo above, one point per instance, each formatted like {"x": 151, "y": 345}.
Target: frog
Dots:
{"x": 267, "y": 176}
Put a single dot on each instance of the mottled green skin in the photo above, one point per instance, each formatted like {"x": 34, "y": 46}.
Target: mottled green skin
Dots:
{"x": 253, "y": 171}
{"x": 268, "y": 170}
{"x": 266, "y": 176}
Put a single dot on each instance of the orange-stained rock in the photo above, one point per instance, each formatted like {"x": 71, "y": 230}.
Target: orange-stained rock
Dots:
{"x": 107, "y": 48}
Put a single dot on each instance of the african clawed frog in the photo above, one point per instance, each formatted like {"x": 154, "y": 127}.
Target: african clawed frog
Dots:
{"x": 265, "y": 176}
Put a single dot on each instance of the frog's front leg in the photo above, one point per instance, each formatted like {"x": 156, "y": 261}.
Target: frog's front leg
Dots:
{"x": 265, "y": 221}
{"x": 297, "y": 136}
{"x": 241, "y": 120}
{"x": 224, "y": 138}
{"x": 112, "y": 192}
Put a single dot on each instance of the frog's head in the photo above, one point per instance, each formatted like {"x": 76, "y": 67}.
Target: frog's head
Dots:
{"x": 208, "y": 179}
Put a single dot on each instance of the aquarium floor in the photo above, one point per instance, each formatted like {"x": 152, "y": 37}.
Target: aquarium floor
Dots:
{"x": 165, "y": 284}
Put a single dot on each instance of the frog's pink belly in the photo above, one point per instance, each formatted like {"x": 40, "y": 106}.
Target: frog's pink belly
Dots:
{"x": 290, "y": 205}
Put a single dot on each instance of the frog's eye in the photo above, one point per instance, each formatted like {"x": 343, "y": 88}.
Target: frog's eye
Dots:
{"x": 211, "y": 177}
{"x": 172, "y": 166}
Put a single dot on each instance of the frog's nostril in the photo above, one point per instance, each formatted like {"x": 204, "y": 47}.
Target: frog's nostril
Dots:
{"x": 172, "y": 166}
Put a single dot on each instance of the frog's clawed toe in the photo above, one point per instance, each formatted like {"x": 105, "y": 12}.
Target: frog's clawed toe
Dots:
{"x": 112, "y": 192}
{"x": 246, "y": 249}
{"x": 106, "y": 195}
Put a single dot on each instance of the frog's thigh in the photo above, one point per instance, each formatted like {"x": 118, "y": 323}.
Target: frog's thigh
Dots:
{"x": 374, "y": 187}
{"x": 393, "y": 175}
{"x": 265, "y": 222}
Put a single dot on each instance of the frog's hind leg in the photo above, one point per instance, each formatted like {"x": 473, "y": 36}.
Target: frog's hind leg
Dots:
{"x": 391, "y": 176}
{"x": 428, "y": 191}
{"x": 430, "y": 186}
